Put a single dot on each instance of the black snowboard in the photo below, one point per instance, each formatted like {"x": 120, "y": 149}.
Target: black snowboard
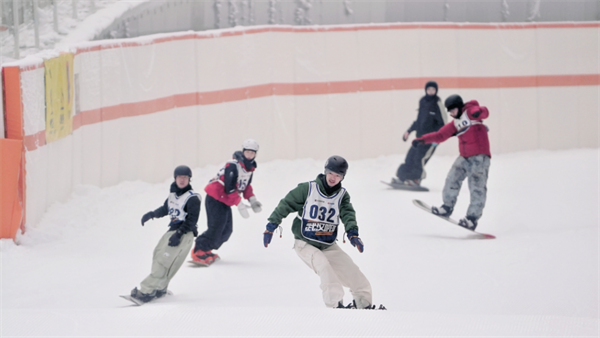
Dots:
{"x": 402, "y": 186}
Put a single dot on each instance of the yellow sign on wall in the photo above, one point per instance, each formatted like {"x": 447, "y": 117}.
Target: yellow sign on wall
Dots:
{"x": 59, "y": 97}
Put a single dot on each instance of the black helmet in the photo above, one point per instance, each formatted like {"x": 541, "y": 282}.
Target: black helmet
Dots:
{"x": 454, "y": 101}
{"x": 182, "y": 170}
{"x": 337, "y": 164}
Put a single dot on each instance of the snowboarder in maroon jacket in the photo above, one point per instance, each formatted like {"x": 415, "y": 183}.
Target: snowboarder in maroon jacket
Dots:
{"x": 473, "y": 162}
{"x": 225, "y": 190}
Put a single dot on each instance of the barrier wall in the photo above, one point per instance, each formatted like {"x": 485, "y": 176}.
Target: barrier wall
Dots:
{"x": 148, "y": 104}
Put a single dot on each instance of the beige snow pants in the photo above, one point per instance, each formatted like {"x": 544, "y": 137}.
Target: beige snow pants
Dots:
{"x": 336, "y": 270}
{"x": 166, "y": 262}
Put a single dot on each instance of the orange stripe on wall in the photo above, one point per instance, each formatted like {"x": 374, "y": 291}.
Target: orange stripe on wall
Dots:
{"x": 309, "y": 88}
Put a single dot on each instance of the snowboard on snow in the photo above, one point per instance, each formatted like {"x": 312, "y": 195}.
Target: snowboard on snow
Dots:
{"x": 402, "y": 186}
{"x": 426, "y": 207}
{"x": 140, "y": 303}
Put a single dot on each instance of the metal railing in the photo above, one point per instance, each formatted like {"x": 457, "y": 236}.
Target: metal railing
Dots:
{"x": 158, "y": 16}
{"x": 164, "y": 16}
{"x": 19, "y": 15}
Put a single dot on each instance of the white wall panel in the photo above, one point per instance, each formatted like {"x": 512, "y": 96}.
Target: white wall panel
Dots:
{"x": 91, "y": 138}
{"x": 209, "y": 77}
{"x": 87, "y": 69}
{"x": 33, "y": 91}
{"x": 278, "y": 52}
{"x": 341, "y": 127}
{"x": 342, "y": 61}
{"x": 378, "y": 125}
{"x": 283, "y": 136}
{"x": 588, "y": 110}
{"x": 312, "y": 116}
{"x": 36, "y": 184}
{"x": 558, "y": 122}
{"x": 291, "y": 124}
{"x": 112, "y": 79}
{"x": 58, "y": 170}
{"x": 310, "y": 58}
{"x": 405, "y": 56}
{"x": 567, "y": 51}
{"x": 513, "y": 50}
{"x": 438, "y": 55}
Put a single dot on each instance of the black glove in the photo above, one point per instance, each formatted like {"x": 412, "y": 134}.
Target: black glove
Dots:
{"x": 175, "y": 238}
{"x": 416, "y": 142}
{"x": 147, "y": 216}
{"x": 268, "y": 234}
{"x": 476, "y": 115}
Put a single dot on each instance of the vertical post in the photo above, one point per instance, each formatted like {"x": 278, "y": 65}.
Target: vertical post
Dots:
{"x": 74, "y": 9}
{"x": 16, "y": 28}
{"x": 36, "y": 23}
{"x": 55, "y": 11}
{"x": 13, "y": 191}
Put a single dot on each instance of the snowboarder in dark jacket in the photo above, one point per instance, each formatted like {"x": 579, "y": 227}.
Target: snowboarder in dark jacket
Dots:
{"x": 430, "y": 119}
{"x": 183, "y": 207}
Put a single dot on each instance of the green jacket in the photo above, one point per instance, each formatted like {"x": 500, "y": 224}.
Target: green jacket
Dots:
{"x": 294, "y": 202}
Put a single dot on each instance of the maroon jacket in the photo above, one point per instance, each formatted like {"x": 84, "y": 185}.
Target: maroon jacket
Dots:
{"x": 470, "y": 143}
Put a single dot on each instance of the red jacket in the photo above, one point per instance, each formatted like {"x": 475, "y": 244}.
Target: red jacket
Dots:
{"x": 230, "y": 183}
{"x": 474, "y": 141}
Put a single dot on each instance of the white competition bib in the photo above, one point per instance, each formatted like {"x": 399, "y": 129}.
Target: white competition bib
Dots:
{"x": 462, "y": 124}
{"x": 243, "y": 176}
{"x": 177, "y": 203}
{"x": 321, "y": 215}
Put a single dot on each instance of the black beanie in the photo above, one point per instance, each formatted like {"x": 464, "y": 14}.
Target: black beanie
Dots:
{"x": 431, "y": 84}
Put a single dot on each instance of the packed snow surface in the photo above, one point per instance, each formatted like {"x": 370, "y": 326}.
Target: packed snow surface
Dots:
{"x": 539, "y": 277}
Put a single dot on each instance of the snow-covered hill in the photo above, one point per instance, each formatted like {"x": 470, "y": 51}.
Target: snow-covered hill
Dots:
{"x": 538, "y": 278}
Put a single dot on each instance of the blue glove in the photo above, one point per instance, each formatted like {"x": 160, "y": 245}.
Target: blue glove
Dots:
{"x": 355, "y": 240}
{"x": 175, "y": 238}
{"x": 268, "y": 234}
{"x": 148, "y": 216}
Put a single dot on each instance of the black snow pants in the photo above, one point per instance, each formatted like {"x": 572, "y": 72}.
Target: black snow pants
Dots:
{"x": 220, "y": 225}
{"x": 416, "y": 158}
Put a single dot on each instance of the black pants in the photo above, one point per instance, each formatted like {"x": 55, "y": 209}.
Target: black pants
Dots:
{"x": 220, "y": 225}
{"x": 416, "y": 158}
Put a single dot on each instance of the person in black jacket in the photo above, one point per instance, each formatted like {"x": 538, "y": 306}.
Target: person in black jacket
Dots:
{"x": 431, "y": 118}
{"x": 183, "y": 207}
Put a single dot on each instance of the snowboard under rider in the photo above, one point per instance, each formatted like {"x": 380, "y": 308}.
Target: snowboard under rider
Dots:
{"x": 225, "y": 190}
{"x": 320, "y": 205}
{"x": 473, "y": 162}
{"x": 183, "y": 207}
{"x": 431, "y": 117}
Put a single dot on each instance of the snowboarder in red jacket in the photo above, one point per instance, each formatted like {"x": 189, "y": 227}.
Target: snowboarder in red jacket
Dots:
{"x": 233, "y": 182}
{"x": 473, "y": 162}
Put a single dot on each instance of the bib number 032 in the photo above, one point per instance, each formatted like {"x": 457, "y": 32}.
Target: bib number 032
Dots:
{"x": 322, "y": 213}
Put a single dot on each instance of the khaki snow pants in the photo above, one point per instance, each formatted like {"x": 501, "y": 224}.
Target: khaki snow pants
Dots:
{"x": 336, "y": 269}
{"x": 166, "y": 262}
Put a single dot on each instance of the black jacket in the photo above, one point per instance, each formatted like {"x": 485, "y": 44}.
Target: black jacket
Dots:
{"x": 430, "y": 117}
{"x": 192, "y": 207}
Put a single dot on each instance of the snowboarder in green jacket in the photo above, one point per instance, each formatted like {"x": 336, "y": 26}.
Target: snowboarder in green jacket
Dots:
{"x": 320, "y": 205}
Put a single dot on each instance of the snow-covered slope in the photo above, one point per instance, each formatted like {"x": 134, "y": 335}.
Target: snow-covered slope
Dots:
{"x": 538, "y": 278}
